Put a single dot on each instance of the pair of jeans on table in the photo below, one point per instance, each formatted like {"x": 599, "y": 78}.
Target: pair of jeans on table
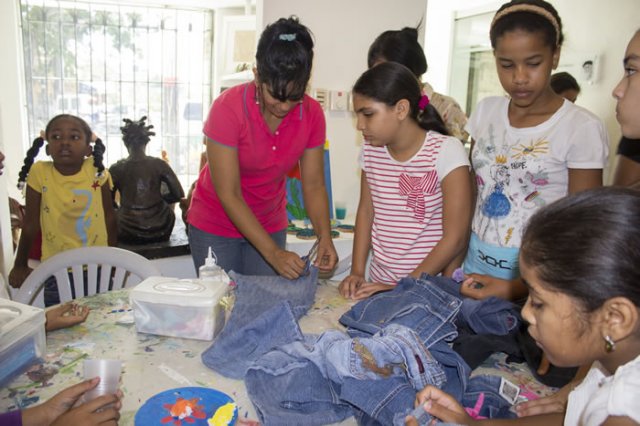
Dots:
{"x": 314, "y": 381}
{"x": 290, "y": 385}
{"x": 264, "y": 316}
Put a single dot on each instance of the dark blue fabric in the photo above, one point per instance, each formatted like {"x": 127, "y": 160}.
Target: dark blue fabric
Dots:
{"x": 494, "y": 406}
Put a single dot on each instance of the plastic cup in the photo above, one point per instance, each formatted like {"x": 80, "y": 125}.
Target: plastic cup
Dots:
{"x": 341, "y": 210}
{"x": 109, "y": 372}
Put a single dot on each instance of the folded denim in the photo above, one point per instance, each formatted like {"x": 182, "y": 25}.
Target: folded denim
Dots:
{"x": 264, "y": 316}
{"x": 490, "y": 316}
{"x": 414, "y": 303}
{"x": 231, "y": 354}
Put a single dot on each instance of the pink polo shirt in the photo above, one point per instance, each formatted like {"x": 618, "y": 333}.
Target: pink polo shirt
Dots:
{"x": 264, "y": 158}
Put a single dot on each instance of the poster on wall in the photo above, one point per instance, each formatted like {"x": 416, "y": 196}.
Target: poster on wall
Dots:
{"x": 295, "y": 202}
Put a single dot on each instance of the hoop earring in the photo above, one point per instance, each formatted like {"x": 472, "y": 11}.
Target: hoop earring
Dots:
{"x": 609, "y": 344}
{"x": 257, "y": 95}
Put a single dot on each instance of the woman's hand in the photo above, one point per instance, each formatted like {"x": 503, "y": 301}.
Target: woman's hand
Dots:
{"x": 65, "y": 315}
{"x": 18, "y": 274}
{"x": 287, "y": 263}
{"x": 327, "y": 255}
{"x": 350, "y": 285}
{"x": 58, "y": 410}
{"x": 441, "y": 405}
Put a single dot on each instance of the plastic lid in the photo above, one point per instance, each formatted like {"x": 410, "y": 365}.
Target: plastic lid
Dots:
{"x": 18, "y": 320}
{"x": 173, "y": 291}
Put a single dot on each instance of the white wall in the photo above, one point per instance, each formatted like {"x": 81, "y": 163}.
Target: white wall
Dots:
{"x": 343, "y": 31}
{"x": 589, "y": 26}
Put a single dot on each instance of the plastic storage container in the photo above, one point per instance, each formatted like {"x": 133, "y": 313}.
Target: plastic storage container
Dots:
{"x": 22, "y": 338}
{"x": 189, "y": 309}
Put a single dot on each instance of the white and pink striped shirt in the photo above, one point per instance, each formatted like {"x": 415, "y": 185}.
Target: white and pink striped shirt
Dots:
{"x": 407, "y": 203}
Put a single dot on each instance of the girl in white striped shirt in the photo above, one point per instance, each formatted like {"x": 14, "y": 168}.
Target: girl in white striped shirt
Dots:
{"x": 415, "y": 198}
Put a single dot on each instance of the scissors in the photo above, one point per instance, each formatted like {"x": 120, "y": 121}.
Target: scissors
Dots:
{"x": 309, "y": 257}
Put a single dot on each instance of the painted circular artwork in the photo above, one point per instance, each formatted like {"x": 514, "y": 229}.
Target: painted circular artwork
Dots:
{"x": 188, "y": 406}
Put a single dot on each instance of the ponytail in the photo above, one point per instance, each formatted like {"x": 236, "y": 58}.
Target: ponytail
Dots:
{"x": 32, "y": 153}
{"x": 98, "y": 152}
{"x": 429, "y": 119}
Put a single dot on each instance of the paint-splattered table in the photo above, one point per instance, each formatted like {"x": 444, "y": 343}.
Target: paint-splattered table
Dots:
{"x": 152, "y": 363}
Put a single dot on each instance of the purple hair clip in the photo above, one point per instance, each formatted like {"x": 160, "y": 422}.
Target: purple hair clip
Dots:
{"x": 423, "y": 102}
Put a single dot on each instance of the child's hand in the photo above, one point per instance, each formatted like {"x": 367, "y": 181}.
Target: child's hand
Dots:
{"x": 65, "y": 315}
{"x": 556, "y": 403}
{"x": 369, "y": 289}
{"x": 104, "y": 410}
{"x": 441, "y": 405}
{"x": 18, "y": 274}
{"x": 54, "y": 410}
{"x": 350, "y": 285}
{"x": 478, "y": 286}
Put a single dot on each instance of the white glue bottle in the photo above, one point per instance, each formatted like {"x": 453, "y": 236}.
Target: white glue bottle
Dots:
{"x": 210, "y": 271}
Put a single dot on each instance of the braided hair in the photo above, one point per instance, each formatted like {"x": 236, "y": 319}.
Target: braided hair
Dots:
{"x": 98, "y": 148}
{"x": 136, "y": 133}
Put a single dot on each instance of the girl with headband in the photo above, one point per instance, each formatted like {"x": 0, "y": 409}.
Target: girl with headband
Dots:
{"x": 529, "y": 148}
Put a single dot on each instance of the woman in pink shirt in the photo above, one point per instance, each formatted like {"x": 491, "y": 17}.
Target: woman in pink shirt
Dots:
{"x": 256, "y": 132}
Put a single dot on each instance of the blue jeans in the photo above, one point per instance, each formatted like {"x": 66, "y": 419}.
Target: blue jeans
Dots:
{"x": 395, "y": 351}
{"x": 234, "y": 254}
{"x": 414, "y": 303}
{"x": 490, "y": 316}
{"x": 378, "y": 375}
{"x": 494, "y": 406}
{"x": 264, "y": 315}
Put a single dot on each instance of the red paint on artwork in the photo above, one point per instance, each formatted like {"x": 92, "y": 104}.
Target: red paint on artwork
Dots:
{"x": 183, "y": 410}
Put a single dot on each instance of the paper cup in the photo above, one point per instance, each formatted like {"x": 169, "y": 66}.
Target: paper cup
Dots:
{"x": 109, "y": 372}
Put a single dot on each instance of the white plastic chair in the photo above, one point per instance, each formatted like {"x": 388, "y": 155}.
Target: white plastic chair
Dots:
{"x": 117, "y": 268}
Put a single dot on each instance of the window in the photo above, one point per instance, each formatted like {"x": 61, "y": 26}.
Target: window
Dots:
{"x": 105, "y": 62}
{"x": 473, "y": 67}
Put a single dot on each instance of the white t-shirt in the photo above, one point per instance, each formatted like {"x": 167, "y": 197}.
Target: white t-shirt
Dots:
{"x": 407, "y": 203}
{"x": 600, "y": 396}
{"x": 519, "y": 170}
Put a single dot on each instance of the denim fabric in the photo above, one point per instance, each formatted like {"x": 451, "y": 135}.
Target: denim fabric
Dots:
{"x": 231, "y": 354}
{"x": 378, "y": 375}
{"x": 395, "y": 351}
{"x": 383, "y": 402}
{"x": 290, "y": 390}
{"x": 234, "y": 254}
{"x": 490, "y": 316}
{"x": 414, "y": 303}
{"x": 51, "y": 293}
{"x": 487, "y": 316}
{"x": 455, "y": 369}
{"x": 260, "y": 320}
{"x": 494, "y": 406}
